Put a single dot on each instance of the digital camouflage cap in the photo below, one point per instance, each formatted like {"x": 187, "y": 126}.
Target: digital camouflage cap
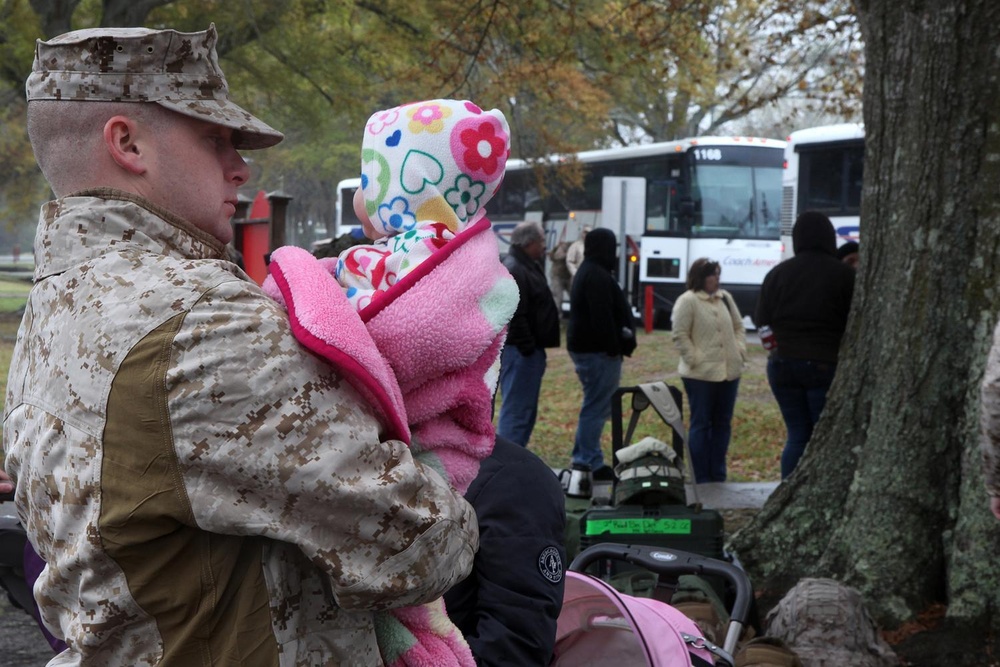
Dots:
{"x": 177, "y": 70}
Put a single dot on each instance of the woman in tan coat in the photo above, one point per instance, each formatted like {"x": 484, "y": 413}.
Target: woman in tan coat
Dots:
{"x": 709, "y": 335}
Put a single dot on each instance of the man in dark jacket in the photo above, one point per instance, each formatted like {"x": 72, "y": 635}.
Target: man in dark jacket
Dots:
{"x": 534, "y": 327}
{"x": 508, "y": 607}
{"x": 601, "y": 330}
{"x": 805, "y": 300}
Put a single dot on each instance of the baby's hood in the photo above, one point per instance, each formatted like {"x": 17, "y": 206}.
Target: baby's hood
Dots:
{"x": 433, "y": 161}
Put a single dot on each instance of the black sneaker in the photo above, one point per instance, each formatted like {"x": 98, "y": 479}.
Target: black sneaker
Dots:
{"x": 603, "y": 474}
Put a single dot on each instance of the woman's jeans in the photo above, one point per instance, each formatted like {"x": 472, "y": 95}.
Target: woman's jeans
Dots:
{"x": 711, "y": 405}
{"x": 800, "y": 387}
{"x": 599, "y": 374}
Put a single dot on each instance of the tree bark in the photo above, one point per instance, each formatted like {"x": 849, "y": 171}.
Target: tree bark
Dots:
{"x": 889, "y": 497}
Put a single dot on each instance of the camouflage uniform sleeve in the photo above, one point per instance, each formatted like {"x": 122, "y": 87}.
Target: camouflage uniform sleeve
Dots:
{"x": 989, "y": 417}
{"x": 272, "y": 442}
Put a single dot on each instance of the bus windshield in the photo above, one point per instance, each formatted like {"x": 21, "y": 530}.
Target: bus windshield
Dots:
{"x": 736, "y": 201}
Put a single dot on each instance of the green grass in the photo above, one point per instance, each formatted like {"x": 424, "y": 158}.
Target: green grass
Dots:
{"x": 758, "y": 431}
{"x": 6, "y": 348}
{"x": 13, "y": 294}
{"x": 14, "y": 288}
{"x": 14, "y": 284}
{"x": 10, "y": 304}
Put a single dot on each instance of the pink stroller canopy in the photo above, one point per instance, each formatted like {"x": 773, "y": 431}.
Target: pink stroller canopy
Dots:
{"x": 599, "y": 627}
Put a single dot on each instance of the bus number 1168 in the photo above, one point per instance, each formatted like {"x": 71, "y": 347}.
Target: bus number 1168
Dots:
{"x": 708, "y": 153}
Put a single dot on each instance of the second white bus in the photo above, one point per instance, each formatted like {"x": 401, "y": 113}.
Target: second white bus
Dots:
{"x": 823, "y": 172}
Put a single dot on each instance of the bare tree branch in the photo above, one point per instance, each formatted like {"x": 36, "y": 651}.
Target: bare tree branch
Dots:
{"x": 56, "y": 15}
{"x": 391, "y": 19}
{"x": 128, "y": 13}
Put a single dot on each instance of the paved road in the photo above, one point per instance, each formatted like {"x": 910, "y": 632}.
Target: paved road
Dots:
{"x": 21, "y": 642}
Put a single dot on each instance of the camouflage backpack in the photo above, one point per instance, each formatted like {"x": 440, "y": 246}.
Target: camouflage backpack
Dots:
{"x": 827, "y": 625}
{"x": 766, "y": 652}
{"x": 696, "y": 598}
{"x": 648, "y": 473}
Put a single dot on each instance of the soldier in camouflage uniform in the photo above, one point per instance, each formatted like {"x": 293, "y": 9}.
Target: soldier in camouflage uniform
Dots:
{"x": 990, "y": 423}
{"x": 203, "y": 490}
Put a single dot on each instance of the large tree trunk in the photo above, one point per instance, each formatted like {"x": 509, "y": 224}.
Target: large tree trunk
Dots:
{"x": 889, "y": 497}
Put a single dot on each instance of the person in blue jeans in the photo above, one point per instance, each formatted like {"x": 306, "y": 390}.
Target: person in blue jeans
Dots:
{"x": 800, "y": 387}
{"x": 707, "y": 330}
{"x": 805, "y": 300}
{"x": 601, "y": 331}
{"x": 534, "y": 327}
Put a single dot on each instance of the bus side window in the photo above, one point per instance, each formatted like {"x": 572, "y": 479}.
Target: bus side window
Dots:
{"x": 823, "y": 179}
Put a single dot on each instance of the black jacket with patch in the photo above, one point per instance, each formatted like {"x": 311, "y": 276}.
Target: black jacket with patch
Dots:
{"x": 507, "y": 608}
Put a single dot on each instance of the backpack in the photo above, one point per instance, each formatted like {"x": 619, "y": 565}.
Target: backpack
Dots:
{"x": 698, "y": 600}
{"x": 648, "y": 473}
{"x": 766, "y": 652}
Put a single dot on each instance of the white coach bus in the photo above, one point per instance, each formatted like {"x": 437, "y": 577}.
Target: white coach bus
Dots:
{"x": 714, "y": 197}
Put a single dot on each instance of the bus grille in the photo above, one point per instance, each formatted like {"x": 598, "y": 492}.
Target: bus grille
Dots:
{"x": 787, "y": 208}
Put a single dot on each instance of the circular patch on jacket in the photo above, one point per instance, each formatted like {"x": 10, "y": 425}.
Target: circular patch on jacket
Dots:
{"x": 550, "y": 564}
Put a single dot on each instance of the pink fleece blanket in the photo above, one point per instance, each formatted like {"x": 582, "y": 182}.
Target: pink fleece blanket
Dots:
{"x": 425, "y": 356}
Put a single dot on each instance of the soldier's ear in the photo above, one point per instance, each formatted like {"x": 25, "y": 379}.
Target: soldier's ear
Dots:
{"x": 120, "y": 139}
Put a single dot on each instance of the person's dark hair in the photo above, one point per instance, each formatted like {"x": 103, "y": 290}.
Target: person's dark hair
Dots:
{"x": 701, "y": 269}
{"x": 848, "y": 248}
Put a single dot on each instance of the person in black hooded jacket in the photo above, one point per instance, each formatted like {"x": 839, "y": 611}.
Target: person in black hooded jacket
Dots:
{"x": 508, "y": 607}
{"x": 601, "y": 330}
{"x": 805, "y": 300}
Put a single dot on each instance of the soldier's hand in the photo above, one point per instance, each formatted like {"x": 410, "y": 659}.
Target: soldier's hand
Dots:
{"x": 6, "y": 486}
